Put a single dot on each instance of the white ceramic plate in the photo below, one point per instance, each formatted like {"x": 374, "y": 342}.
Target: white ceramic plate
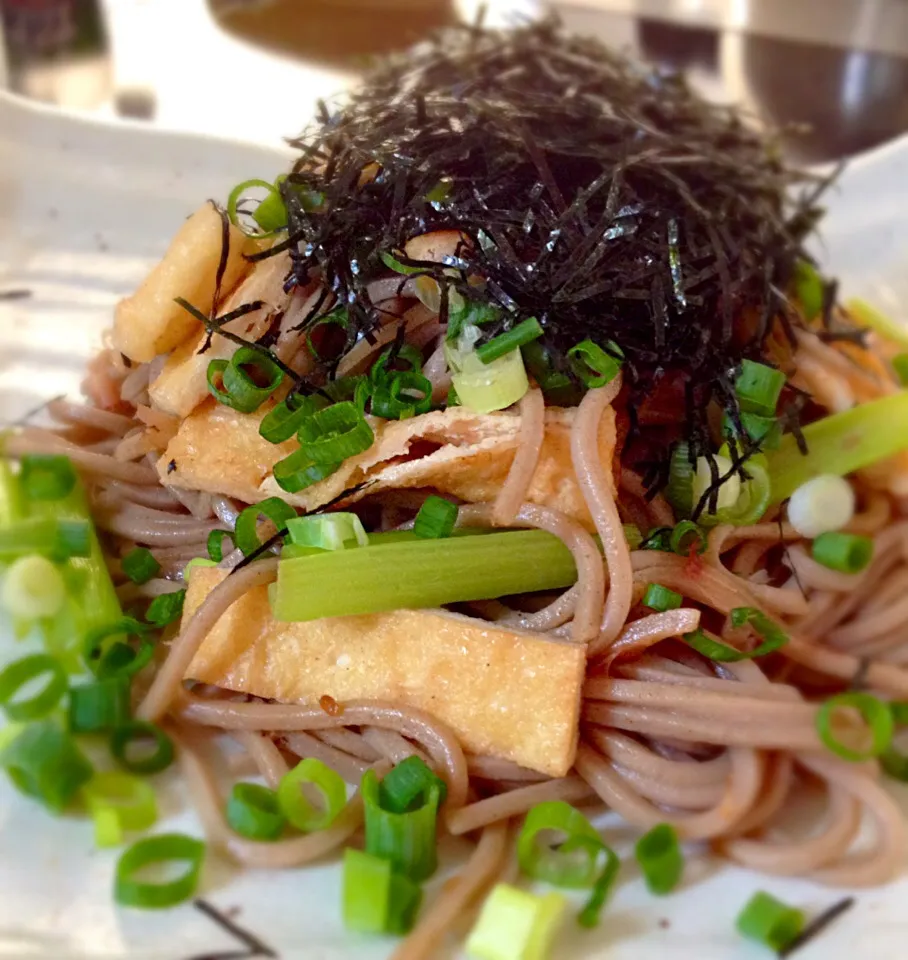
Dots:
{"x": 85, "y": 209}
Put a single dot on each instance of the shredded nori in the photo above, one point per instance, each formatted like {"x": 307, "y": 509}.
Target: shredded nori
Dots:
{"x": 604, "y": 198}
{"x": 816, "y": 926}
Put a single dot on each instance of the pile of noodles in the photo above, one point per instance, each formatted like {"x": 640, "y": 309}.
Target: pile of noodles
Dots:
{"x": 718, "y": 750}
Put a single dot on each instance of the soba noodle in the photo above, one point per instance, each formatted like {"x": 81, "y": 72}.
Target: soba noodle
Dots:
{"x": 649, "y": 709}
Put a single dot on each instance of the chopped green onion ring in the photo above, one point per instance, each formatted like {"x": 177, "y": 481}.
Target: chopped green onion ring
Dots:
{"x": 253, "y": 811}
{"x": 437, "y": 518}
{"x": 335, "y": 433}
{"x": 44, "y": 762}
{"x": 99, "y": 706}
{"x": 660, "y": 858}
{"x": 297, "y": 808}
{"x": 135, "y": 731}
{"x": 407, "y": 840}
{"x": 246, "y": 534}
{"x": 375, "y": 898}
{"x": 166, "y": 608}
{"x": 162, "y": 848}
{"x": 660, "y": 598}
{"x": 140, "y": 566}
{"x": 769, "y": 921}
{"x": 846, "y": 552}
{"x": 22, "y": 672}
{"x": 46, "y": 476}
{"x": 875, "y": 713}
{"x": 119, "y": 802}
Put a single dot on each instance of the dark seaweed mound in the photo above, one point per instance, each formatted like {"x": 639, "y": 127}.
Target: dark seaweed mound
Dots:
{"x": 605, "y": 199}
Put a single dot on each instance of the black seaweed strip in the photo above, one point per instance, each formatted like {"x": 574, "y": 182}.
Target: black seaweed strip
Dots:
{"x": 213, "y": 326}
{"x": 255, "y": 946}
{"x": 576, "y": 163}
{"x": 816, "y": 926}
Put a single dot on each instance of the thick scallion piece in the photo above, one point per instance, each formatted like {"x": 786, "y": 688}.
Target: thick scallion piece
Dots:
{"x": 19, "y": 674}
{"x": 661, "y": 860}
{"x": 516, "y": 925}
{"x": 46, "y": 477}
{"x": 246, "y": 535}
{"x": 406, "y": 839}
{"x": 33, "y": 588}
{"x": 296, "y": 807}
{"x": 485, "y": 387}
{"x": 100, "y": 706}
{"x": 329, "y": 531}
{"x": 140, "y": 566}
{"x": 53, "y": 537}
{"x": 91, "y": 600}
{"x": 253, "y": 811}
{"x": 436, "y": 518}
{"x": 758, "y": 388}
{"x": 841, "y": 443}
{"x": 406, "y": 786}
{"x": 660, "y": 598}
{"x": 524, "y": 332}
{"x": 166, "y": 609}
{"x": 769, "y": 921}
{"x": 376, "y": 899}
{"x": 125, "y": 738}
{"x": 44, "y": 762}
{"x": 423, "y": 573}
{"x": 119, "y": 802}
{"x": 847, "y": 552}
{"x": 161, "y": 849}
{"x": 875, "y": 713}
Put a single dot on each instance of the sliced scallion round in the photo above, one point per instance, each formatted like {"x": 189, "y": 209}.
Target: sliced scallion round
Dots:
{"x": 126, "y": 737}
{"x": 46, "y": 476}
{"x": 21, "y": 673}
{"x": 847, "y": 552}
{"x": 875, "y": 713}
{"x": 253, "y": 811}
{"x": 160, "y": 849}
{"x": 296, "y": 807}
{"x": 246, "y": 535}
{"x": 119, "y": 802}
{"x": 335, "y": 433}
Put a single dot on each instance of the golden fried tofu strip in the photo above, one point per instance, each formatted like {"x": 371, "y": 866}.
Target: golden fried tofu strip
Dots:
{"x": 506, "y": 693}
{"x": 149, "y": 322}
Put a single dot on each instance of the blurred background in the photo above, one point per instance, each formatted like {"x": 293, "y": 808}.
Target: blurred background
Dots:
{"x": 253, "y": 69}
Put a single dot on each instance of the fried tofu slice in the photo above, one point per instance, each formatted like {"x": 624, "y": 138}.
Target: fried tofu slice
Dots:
{"x": 454, "y": 451}
{"x": 149, "y": 323}
{"x": 506, "y": 693}
{"x": 219, "y": 450}
{"x": 183, "y": 383}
